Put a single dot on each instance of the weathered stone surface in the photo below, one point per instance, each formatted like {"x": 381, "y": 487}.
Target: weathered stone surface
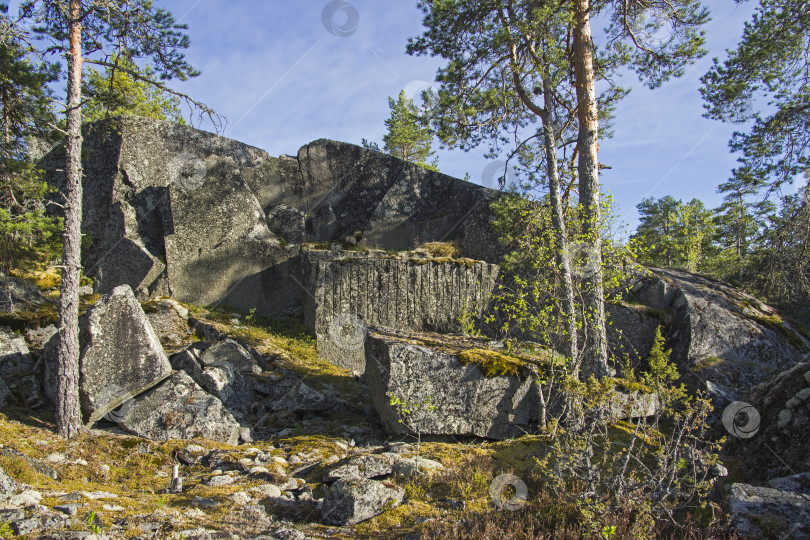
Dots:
{"x": 230, "y": 352}
{"x": 40, "y": 522}
{"x": 201, "y": 204}
{"x": 171, "y": 327}
{"x": 127, "y": 262}
{"x": 302, "y": 398}
{"x": 229, "y": 386}
{"x": 632, "y": 329}
{"x": 762, "y": 512}
{"x": 15, "y": 358}
{"x": 121, "y": 356}
{"x": 179, "y": 409}
{"x": 8, "y": 486}
{"x": 723, "y": 341}
{"x": 351, "y": 291}
{"x": 188, "y": 360}
{"x": 350, "y": 501}
{"x": 18, "y": 294}
{"x": 465, "y": 401}
{"x": 779, "y": 444}
{"x": 368, "y": 466}
{"x": 287, "y": 223}
{"x": 632, "y": 405}
{"x": 408, "y": 467}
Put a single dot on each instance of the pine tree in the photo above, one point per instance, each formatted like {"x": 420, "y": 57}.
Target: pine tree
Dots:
{"x": 115, "y": 92}
{"x": 75, "y": 28}
{"x": 407, "y": 138}
{"x": 25, "y": 227}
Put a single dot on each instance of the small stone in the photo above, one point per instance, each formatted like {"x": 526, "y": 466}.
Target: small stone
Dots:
{"x": 251, "y": 451}
{"x": 105, "y": 469}
{"x": 803, "y": 394}
{"x": 195, "y": 449}
{"x": 204, "y": 502}
{"x": 218, "y": 481}
{"x": 93, "y": 495}
{"x": 259, "y": 470}
{"x": 113, "y": 508}
{"x": 26, "y": 498}
{"x": 80, "y": 462}
{"x": 56, "y": 457}
{"x": 240, "y": 498}
{"x": 266, "y": 490}
{"x": 784, "y": 419}
{"x": 719, "y": 470}
{"x": 68, "y": 509}
{"x": 280, "y": 460}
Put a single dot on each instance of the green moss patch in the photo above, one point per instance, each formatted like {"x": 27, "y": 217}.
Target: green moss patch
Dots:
{"x": 492, "y": 363}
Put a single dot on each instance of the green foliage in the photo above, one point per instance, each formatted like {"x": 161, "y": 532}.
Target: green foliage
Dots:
{"x": 769, "y": 66}
{"x": 660, "y": 372}
{"x": 27, "y": 234}
{"x": 491, "y": 363}
{"x": 408, "y": 138}
{"x": 118, "y": 92}
{"x": 673, "y": 233}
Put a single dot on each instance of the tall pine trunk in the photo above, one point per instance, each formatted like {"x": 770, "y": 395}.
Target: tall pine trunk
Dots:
{"x": 558, "y": 223}
{"x": 68, "y": 414}
{"x": 595, "y": 357}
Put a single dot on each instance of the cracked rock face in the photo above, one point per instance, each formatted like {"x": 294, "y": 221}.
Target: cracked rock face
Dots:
{"x": 723, "y": 341}
{"x": 350, "y": 501}
{"x": 121, "y": 355}
{"x": 179, "y": 409}
{"x": 464, "y": 401}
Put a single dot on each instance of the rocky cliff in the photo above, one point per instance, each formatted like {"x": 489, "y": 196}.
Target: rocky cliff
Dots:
{"x": 169, "y": 209}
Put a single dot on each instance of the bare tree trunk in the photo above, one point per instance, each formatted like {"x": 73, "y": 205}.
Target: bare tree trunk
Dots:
{"x": 595, "y": 358}
{"x": 558, "y": 222}
{"x": 68, "y": 414}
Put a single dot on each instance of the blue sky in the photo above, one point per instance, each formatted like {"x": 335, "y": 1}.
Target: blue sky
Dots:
{"x": 282, "y": 80}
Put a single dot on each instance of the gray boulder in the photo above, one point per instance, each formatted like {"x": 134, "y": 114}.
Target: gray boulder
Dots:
{"x": 230, "y": 352}
{"x": 15, "y": 358}
{"x": 288, "y": 223}
{"x": 350, "y": 501}
{"x": 765, "y": 512}
{"x": 226, "y": 383}
{"x": 8, "y": 486}
{"x": 723, "y": 341}
{"x": 188, "y": 360}
{"x": 127, "y": 262}
{"x": 179, "y": 409}
{"x": 302, "y": 398}
{"x": 18, "y": 294}
{"x": 464, "y": 401}
{"x": 121, "y": 356}
{"x": 368, "y": 466}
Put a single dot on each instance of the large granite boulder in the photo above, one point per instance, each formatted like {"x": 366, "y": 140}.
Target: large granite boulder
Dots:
{"x": 780, "y": 510}
{"x": 179, "y": 409}
{"x": 174, "y": 210}
{"x": 462, "y": 399}
{"x": 769, "y": 439}
{"x": 15, "y": 358}
{"x": 723, "y": 341}
{"x": 350, "y": 291}
{"x": 18, "y": 295}
{"x": 352, "y": 500}
{"x": 120, "y": 357}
